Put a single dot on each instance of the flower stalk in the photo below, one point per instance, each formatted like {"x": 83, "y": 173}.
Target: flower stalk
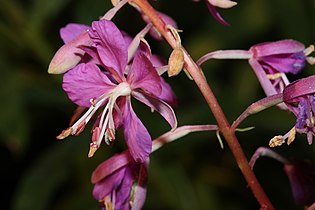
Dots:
{"x": 213, "y": 104}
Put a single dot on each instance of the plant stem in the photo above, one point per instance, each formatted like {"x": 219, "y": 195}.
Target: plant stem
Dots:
{"x": 213, "y": 104}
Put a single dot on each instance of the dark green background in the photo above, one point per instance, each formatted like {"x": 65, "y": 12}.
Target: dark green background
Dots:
{"x": 39, "y": 172}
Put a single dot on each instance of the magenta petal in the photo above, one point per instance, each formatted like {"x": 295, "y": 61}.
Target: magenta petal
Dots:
{"x": 110, "y": 45}
{"x": 143, "y": 75}
{"x": 278, "y": 47}
{"x": 137, "y": 137}
{"x": 108, "y": 184}
{"x": 167, "y": 93}
{"x": 85, "y": 82}
{"x": 262, "y": 77}
{"x": 216, "y": 14}
{"x": 110, "y": 165}
{"x": 71, "y": 31}
{"x": 141, "y": 188}
{"x": 160, "y": 106}
{"x": 123, "y": 195}
{"x": 299, "y": 88}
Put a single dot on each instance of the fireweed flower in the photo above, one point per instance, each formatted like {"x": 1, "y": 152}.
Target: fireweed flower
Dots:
{"x": 110, "y": 82}
{"x": 213, "y": 4}
{"x": 299, "y": 97}
{"x": 120, "y": 182}
{"x": 270, "y": 61}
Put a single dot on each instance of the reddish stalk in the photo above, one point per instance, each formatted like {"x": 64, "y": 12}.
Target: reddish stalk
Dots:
{"x": 213, "y": 104}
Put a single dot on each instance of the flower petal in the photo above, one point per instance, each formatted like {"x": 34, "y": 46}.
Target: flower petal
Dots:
{"x": 157, "y": 104}
{"x": 299, "y": 88}
{"x": 143, "y": 75}
{"x": 278, "y": 47}
{"x": 69, "y": 54}
{"x": 287, "y": 63}
{"x": 110, "y": 165}
{"x": 137, "y": 137}
{"x": 71, "y": 31}
{"x": 110, "y": 44}
{"x": 123, "y": 195}
{"x": 167, "y": 93}
{"x": 108, "y": 184}
{"x": 85, "y": 82}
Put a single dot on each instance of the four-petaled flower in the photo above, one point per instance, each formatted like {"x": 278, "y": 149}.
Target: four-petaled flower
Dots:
{"x": 299, "y": 97}
{"x": 108, "y": 81}
{"x": 270, "y": 61}
{"x": 120, "y": 182}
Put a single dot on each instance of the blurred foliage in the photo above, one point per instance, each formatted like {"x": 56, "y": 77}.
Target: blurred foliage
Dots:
{"x": 39, "y": 172}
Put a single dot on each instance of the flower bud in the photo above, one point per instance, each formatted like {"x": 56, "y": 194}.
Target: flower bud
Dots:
{"x": 175, "y": 62}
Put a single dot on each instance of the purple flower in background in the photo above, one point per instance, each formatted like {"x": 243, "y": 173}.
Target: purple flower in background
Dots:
{"x": 299, "y": 97}
{"x": 120, "y": 183}
{"x": 110, "y": 82}
{"x": 270, "y": 61}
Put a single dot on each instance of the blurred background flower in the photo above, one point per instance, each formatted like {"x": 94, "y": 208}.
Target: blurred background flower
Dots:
{"x": 39, "y": 172}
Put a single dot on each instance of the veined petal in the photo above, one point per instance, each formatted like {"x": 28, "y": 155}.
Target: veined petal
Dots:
{"x": 143, "y": 75}
{"x": 137, "y": 137}
{"x": 167, "y": 93}
{"x": 299, "y": 88}
{"x": 287, "y": 63}
{"x": 85, "y": 82}
{"x": 108, "y": 184}
{"x": 278, "y": 47}
{"x": 69, "y": 54}
{"x": 71, "y": 31}
{"x": 124, "y": 193}
{"x": 111, "y": 165}
{"x": 157, "y": 104}
{"x": 110, "y": 44}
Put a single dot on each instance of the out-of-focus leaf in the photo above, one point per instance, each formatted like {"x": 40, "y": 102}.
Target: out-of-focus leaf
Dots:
{"x": 38, "y": 187}
{"x": 14, "y": 126}
{"x": 43, "y": 10}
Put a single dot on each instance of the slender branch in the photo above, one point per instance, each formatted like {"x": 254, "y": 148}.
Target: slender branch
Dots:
{"x": 213, "y": 104}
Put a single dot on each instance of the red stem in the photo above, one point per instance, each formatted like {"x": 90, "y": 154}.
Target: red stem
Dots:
{"x": 213, "y": 104}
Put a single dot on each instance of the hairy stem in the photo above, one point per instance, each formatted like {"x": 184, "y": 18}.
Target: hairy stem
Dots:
{"x": 213, "y": 104}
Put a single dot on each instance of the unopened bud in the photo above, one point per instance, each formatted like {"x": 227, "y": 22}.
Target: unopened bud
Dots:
{"x": 175, "y": 62}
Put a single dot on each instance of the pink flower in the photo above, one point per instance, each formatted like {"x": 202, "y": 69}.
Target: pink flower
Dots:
{"x": 109, "y": 81}
{"x": 299, "y": 97}
{"x": 120, "y": 182}
{"x": 270, "y": 61}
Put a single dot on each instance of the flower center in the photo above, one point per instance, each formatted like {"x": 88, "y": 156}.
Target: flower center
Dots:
{"x": 106, "y": 127}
